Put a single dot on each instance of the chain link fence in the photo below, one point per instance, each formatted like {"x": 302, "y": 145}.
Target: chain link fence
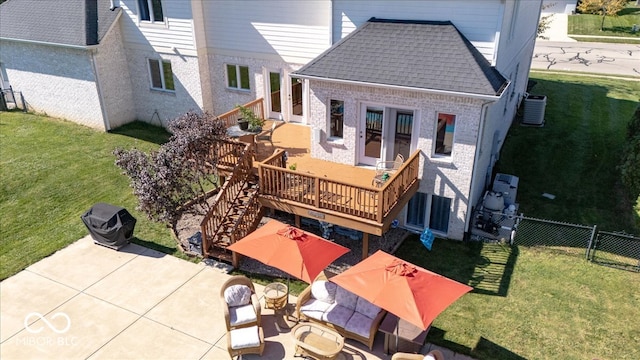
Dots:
{"x": 617, "y": 250}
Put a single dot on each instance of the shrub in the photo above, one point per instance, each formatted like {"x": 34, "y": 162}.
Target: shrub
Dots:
{"x": 180, "y": 171}
{"x": 630, "y": 165}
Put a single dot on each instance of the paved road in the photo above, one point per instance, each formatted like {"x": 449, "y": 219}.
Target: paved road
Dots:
{"x": 600, "y": 58}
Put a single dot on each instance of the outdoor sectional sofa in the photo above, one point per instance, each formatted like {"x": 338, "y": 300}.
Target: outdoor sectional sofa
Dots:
{"x": 328, "y": 304}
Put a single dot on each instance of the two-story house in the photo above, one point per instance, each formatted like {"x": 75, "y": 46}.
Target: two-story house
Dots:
{"x": 371, "y": 79}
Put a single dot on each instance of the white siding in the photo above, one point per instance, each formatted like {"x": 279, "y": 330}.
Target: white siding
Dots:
{"x": 478, "y": 20}
{"x": 115, "y": 85}
{"x": 54, "y": 80}
{"x": 294, "y": 31}
{"x": 176, "y": 32}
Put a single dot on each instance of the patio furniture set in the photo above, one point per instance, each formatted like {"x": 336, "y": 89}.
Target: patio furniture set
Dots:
{"x": 351, "y": 305}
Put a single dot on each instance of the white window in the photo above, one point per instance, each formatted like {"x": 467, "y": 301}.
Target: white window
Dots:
{"x": 150, "y": 10}
{"x": 161, "y": 74}
{"x": 238, "y": 77}
{"x": 445, "y": 129}
{"x": 337, "y": 118}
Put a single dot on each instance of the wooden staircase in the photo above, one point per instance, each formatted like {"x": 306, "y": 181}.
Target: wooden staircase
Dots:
{"x": 236, "y": 211}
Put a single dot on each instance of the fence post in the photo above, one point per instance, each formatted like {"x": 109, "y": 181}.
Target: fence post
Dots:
{"x": 24, "y": 103}
{"x": 593, "y": 234}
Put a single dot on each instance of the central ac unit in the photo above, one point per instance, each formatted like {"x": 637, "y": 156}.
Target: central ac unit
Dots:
{"x": 534, "y": 106}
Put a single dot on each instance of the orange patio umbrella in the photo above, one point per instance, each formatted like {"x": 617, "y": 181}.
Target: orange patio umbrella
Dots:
{"x": 285, "y": 247}
{"x": 408, "y": 291}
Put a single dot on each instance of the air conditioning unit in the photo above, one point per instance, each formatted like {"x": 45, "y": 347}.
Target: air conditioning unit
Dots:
{"x": 508, "y": 186}
{"x": 534, "y": 106}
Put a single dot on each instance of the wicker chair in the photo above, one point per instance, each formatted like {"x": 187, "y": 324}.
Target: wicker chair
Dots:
{"x": 247, "y": 340}
{"x": 385, "y": 169}
{"x": 243, "y": 315}
{"x": 436, "y": 354}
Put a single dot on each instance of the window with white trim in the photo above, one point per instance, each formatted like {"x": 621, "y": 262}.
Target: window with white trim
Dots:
{"x": 445, "y": 128}
{"x": 150, "y": 10}
{"x": 238, "y": 77}
{"x": 337, "y": 118}
{"x": 161, "y": 75}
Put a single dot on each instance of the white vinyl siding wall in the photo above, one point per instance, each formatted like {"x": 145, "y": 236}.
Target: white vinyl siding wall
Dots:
{"x": 176, "y": 32}
{"x": 293, "y": 31}
{"x": 478, "y": 20}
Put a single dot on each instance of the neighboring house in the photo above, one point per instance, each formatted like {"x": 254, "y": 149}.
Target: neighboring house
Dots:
{"x": 444, "y": 77}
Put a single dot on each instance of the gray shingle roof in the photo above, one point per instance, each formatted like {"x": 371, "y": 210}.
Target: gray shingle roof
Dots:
{"x": 56, "y": 21}
{"x": 430, "y": 55}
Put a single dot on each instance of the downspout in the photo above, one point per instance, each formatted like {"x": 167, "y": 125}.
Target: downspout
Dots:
{"x": 105, "y": 117}
{"x": 483, "y": 119}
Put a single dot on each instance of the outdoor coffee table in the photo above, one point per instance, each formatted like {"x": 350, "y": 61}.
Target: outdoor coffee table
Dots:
{"x": 410, "y": 337}
{"x": 317, "y": 341}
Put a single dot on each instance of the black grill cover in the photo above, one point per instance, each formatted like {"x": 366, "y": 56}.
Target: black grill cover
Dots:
{"x": 109, "y": 225}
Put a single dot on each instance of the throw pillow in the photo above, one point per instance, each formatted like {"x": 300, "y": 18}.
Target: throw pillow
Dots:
{"x": 237, "y": 295}
{"x": 429, "y": 357}
{"x": 324, "y": 291}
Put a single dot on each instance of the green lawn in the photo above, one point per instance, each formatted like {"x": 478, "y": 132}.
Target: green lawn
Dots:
{"x": 574, "y": 156}
{"x": 586, "y": 24}
{"x": 52, "y": 172}
{"x": 531, "y": 304}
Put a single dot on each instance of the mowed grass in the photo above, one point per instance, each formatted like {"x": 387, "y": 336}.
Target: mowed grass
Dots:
{"x": 53, "y": 171}
{"x": 587, "y": 24}
{"x": 575, "y": 155}
{"x": 531, "y": 304}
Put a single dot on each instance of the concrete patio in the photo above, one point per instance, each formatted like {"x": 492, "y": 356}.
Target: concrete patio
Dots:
{"x": 90, "y": 302}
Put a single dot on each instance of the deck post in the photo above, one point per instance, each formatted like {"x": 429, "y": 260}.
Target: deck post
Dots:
{"x": 297, "y": 221}
{"x": 365, "y": 245}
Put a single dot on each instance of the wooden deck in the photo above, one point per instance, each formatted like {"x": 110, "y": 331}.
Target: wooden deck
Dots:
{"x": 339, "y": 194}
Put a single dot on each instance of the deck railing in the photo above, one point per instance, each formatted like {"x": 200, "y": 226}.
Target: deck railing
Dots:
{"x": 364, "y": 202}
{"x": 230, "y": 191}
{"x": 231, "y": 117}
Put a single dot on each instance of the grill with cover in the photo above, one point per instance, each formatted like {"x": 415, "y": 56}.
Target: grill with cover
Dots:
{"x": 109, "y": 225}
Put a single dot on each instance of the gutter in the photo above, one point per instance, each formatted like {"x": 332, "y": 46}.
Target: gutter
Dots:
{"x": 490, "y": 98}
{"x": 94, "y": 67}
{"x": 68, "y": 46}
{"x": 483, "y": 119}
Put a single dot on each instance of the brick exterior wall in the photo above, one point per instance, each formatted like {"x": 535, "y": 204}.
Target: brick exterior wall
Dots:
{"x": 450, "y": 177}
{"x": 168, "y": 104}
{"x": 111, "y": 65}
{"x": 54, "y": 80}
{"x": 226, "y": 99}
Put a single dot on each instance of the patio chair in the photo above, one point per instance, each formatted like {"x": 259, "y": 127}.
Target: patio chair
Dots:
{"x": 240, "y": 303}
{"x": 385, "y": 169}
{"x": 432, "y": 355}
{"x": 248, "y": 340}
{"x": 266, "y": 135}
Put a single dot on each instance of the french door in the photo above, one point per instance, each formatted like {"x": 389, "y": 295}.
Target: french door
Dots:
{"x": 384, "y": 133}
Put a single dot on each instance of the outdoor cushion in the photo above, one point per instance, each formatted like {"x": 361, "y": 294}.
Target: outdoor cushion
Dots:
{"x": 244, "y": 314}
{"x": 314, "y": 308}
{"x": 324, "y": 291}
{"x": 245, "y": 338}
{"x": 359, "y": 324}
{"x": 237, "y": 295}
{"x": 346, "y": 298}
{"x": 366, "y": 308}
{"x": 337, "y": 315}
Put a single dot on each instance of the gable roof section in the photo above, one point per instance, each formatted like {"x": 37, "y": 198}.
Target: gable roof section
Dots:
{"x": 68, "y": 22}
{"x": 423, "y": 55}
